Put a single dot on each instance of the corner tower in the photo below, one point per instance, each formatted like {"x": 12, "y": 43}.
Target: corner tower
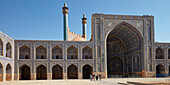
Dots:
{"x": 65, "y": 21}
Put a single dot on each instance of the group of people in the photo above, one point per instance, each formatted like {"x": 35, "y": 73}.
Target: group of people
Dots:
{"x": 97, "y": 77}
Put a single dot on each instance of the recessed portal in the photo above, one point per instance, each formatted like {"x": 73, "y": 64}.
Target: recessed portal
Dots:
{"x": 122, "y": 43}
{"x": 72, "y": 72}
{"x": 57, "y": 72}
{"x": 160, "y": 71}
{"x": 8, "y": 73}
{"x": 87, "y": 70}
{"x": 24, "y": 72}
{"x": 41, "y": 72}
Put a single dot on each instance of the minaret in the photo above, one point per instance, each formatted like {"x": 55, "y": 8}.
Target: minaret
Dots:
{"x": 65, "y": 20}
{"x": 84, "y": 21}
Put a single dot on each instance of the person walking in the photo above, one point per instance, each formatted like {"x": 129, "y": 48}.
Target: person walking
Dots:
{"x": 94, "y": 77}
{"x": 100, "y": 77}
{"x": 90, "y": 77}
{"x": 97, "y": 77}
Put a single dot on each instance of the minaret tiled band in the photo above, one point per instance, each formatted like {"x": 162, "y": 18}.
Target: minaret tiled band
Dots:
{"x": 65, "y": 21}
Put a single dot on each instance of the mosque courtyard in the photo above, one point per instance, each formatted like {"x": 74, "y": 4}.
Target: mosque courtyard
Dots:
{"x": 110, "y": 81}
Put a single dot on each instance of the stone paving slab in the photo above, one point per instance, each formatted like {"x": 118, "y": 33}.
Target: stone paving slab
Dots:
{"x": 50, "y": 82}
{"x": 109, "y": 81}
{"x": 114, "y": 81}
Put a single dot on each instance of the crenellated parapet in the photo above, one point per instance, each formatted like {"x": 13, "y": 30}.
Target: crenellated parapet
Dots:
{"x": 75, "y": 37}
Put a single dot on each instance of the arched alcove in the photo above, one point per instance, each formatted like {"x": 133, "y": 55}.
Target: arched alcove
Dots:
{"x": 41, "y": 72}
{"x": 41, "y": 52}
{"x": 24, "y": 52}
{"x": 87, "y": 71}
{"x": 159, "y": 53}
{"x": 56, "y": 52}
{"x": 8, "y": 72}
{"x": 72, "y": 72}
{"x": 24, "y": 72}
{"x": 87, "y": 53}
{"x": 160, "y": 71}
{"x": 72, "y": 53}
{"x": 122, "y": 42}
{"x": 8, "y": 50}
{"x": 57, "y": 72}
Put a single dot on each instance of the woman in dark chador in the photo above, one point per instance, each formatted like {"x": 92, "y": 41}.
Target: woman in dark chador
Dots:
{"x": 100, "y": 77}
{"x": 97, "y": 77}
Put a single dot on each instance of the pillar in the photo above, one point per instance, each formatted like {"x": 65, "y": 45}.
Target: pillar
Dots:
{"x": 79, "y": 71}
{"x": 65, "y": 71}
{"x": 4, "y": 73}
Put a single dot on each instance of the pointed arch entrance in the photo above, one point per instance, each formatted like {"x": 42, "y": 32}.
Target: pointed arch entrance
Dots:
{"x": 116, "y": 67}
{"x": 8, "y": 73}
{"x": 160, "y": 71}
{"x": 72, "y": 72}
{"x": 57, "y": 72}
{"x": 1, "y": 72}
{"x": 87, "y": 70}
{"x": 24, "y": 72}
{"x": 41, "y": 72}
{"x": 122, "y": 43}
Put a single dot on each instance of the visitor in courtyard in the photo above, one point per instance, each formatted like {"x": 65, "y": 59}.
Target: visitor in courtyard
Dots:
{"x": 100, "y": 77}
{"x": 97, "y": 77}
{"x": 94, "y": 77}
{"x": 90, "y": 77}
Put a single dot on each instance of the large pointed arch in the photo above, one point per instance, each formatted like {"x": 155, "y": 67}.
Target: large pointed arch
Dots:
{"x": 57, "y": 72}
{"x": 24, "y": 71}
{"x": 72, "y": 72}
{"x": 122, "y": 41}
{"x": 41, "y": 72}
{"x": 87, "y": 71}
{"x": 8, "y": 72}
{"x": 160, "y": 70}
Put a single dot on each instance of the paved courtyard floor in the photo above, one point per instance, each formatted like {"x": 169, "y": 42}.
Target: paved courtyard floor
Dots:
{"x": 110, "y": 81}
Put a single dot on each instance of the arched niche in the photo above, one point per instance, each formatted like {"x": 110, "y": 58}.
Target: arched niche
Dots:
{"x": 8, "y": 50}
{"x": 122, "y": 41}
{"x": 57, "y": 52}
{"x": 87, "y": 53}
{"x": 72, "y": 53}
{"x": 41, "y": 52}
{"x": 24, "y": 52}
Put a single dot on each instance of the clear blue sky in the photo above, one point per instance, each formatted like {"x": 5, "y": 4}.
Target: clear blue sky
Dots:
{"x": 42, "y": 19}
